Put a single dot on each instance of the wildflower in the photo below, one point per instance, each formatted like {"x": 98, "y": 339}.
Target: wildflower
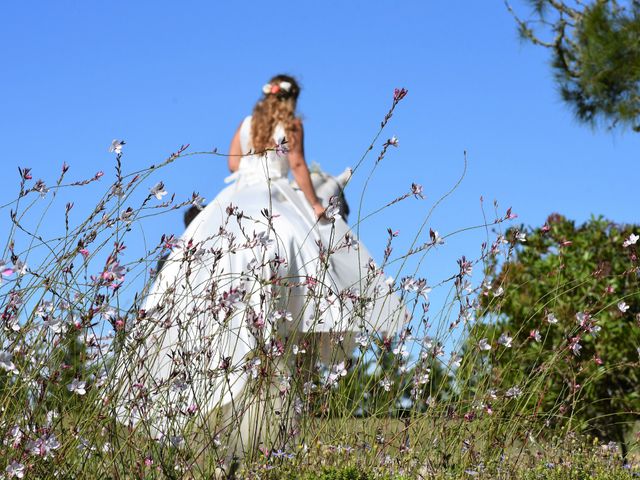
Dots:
{"x": 44, "y": 446}
{"x": 513, "y": 392}
{"x": 521, "y": 236}
{"x": 436, "y": 239}
{"x": 197, "y": 201}
{"x": 535, "y": 334}
{"x": 115, "y": 273}
{"x": 333, "y": 209}
{"x": 499, "y": 291}
{"x": 41, "y": 188}
{"x": 455, "y": 360}
{"x": 282, "y": 148}
{"x": 466, "y": 267}
{"x": 583, "y": 318}
{"x": 551, "y": 319}
{"x": 386, "y": 384}
{"x": 6, "y": 363}
{"x": 116, "y": 146}
{"x": 399, "y": 94}
{"x": 424, "y": 377}
{"x": 77, "y": 386}
{"x": 484, "y": 345}
{"x": 55, "y": 324}
{"x": 623, "y": 307}
{"x": 632, "y": 240}
{"x": 15, "y": 469}
{"x": 158, "y": 190}
{"x": 338, "y": 371}
{"x": 401, "y": 351}
{"x": 574, "y": 346}
{"x": 362, "y": 339}
{"x": 416, "y": 189}
{"x": 296, "y": 350}
{"x": 25, "y": 173}
{"x": 5, "y": 270}
{"x": 350, "y": 242}
{"x": 393, "y": 141}
{"x": 510, "y": 215}
{"x": 505, "y": 340}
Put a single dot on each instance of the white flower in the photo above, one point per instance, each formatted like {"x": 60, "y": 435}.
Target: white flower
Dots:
{"x": 338, "y": 371}
{"x": 436, "y": 238}
{"x": 77, "y": 386}
{"x": 455, "y": 360}
{"x": 575, "y": 347}
{"x": 498, "y": 292}
{"x": 6, "y": 363}
{"x": 282, "y": 315}
{"x": 513, "y": 392}
{"x": 505, "y": 340}
{"x": 386, "y": 384}
{"x": 551, "y": 319}
{"x": 158, "y": 190}
{"x": 362, "y": 339}
{"x": 521, "y": 237}
{"x": 535, "y": 334}
{"x": 15, "y": 469}
{"x": 401, "y": 350}
{"x": 623, "y": 307}
{"x": 484, "y": 344}
{"x": 116, "y": 146}
{"x": 393, "y": 141}
{"x": 296, "y": 350}
{"x": 266, "y": 88}
{"x": 424, "y": 377}
{"x": 286, "y": 86}
{"x": 333, "y": 209}
{"x": 197, "y": 201}
{"x": 55, "y": 324}
{"x": 632, "y": 240}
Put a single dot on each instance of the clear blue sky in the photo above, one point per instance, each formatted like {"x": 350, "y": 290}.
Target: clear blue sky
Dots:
{"x": 158, "y": 74}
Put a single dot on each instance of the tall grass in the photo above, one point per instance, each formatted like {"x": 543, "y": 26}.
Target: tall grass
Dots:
{"x": 75, "y": 373}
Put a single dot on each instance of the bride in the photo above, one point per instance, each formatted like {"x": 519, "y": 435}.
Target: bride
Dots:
{"x": 264, "y": 273}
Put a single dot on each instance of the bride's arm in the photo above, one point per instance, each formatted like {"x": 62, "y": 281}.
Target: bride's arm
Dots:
{"x": 301, "y": 171}
{"x": 235, "y": 152}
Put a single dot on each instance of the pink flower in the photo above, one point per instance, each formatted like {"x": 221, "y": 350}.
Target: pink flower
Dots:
{"x": 25, "y": 173}
{"x": 399, "y": 94}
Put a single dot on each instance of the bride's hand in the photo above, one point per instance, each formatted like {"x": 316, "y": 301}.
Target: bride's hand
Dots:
{"x": 318, "y": 209}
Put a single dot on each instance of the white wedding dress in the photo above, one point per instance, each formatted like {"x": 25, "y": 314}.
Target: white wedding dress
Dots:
{"x": 252, "y": 271}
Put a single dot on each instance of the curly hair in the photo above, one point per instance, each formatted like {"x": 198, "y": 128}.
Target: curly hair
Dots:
{"x": 272, "y": 109}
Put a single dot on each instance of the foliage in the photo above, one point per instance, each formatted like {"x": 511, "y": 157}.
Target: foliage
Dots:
{"x": 561, "y": 323}
{"x": 596, "y": 55}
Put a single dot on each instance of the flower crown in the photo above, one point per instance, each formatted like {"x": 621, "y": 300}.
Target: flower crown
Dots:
{"x": 274, "y": 88}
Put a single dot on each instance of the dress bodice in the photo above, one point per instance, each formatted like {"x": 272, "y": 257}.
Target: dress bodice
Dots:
{"x": 256, "y": 168}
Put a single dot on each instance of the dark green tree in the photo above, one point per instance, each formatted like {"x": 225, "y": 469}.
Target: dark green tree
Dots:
{"x": 595, "y": 47}
{"x": 562, "y": 320}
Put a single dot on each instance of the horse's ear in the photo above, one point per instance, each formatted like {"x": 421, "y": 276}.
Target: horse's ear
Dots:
{"x": 344, "y": 177}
